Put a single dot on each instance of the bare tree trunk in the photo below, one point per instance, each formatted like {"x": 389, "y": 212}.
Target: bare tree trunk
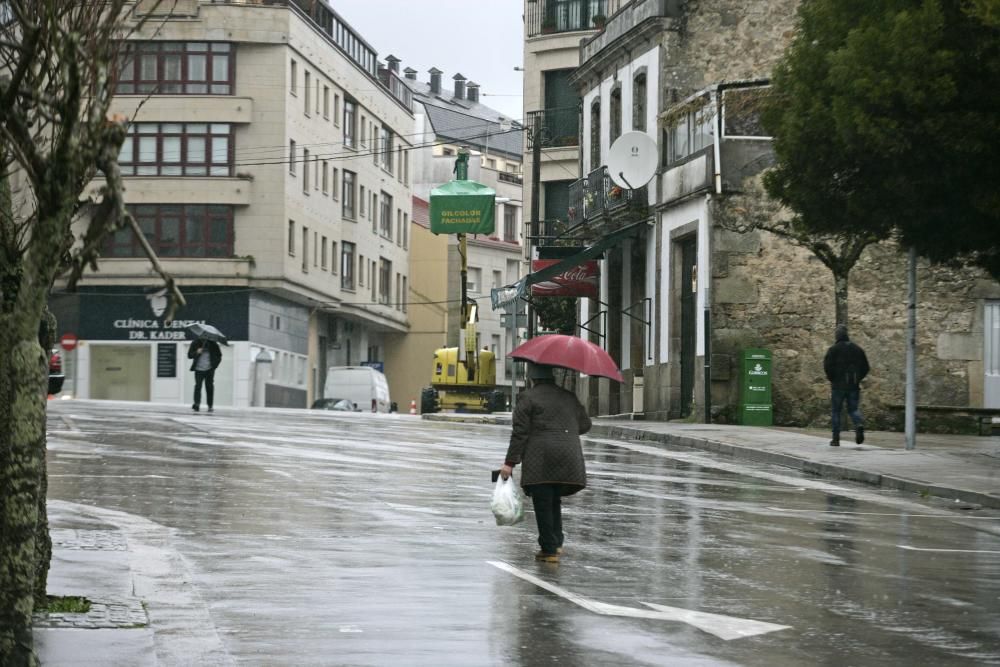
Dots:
{"x": 43, "y": 540}
{"x": 840, "y": 284}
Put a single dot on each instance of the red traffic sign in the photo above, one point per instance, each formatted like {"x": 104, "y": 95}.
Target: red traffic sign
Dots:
{"x": 68, "y": 341}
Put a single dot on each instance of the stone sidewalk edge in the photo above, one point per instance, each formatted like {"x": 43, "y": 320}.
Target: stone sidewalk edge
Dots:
{"x": 825, "y": 470}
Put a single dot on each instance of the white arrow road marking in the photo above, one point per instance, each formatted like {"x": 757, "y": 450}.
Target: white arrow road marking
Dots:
{"x": 724, "y": 627}
{"x": 951, "y": 551}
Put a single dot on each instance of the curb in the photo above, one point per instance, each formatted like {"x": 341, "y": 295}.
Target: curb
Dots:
{"x": 824, "y": 470}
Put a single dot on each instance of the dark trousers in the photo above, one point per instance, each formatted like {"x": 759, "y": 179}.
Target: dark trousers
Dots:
{"x": 547, "y": 499}
{"x": 853, "y": 398}
{"x": 208, "y": 377}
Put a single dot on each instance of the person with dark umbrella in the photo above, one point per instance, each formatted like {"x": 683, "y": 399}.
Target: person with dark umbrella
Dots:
{"x": 547, "y": 423}
{"x": 206, "y": 356}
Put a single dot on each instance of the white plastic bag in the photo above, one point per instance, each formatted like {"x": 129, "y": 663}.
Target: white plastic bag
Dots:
{"x": 507, "y": 505}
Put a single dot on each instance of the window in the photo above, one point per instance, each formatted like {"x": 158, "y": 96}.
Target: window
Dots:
{"x": 348, "y": 192}
{"x": 333, "y": 258}
{"x": 562, "y": 104}
{"x": 326, "y": 176}
{"x": 491, "y": 163}
{"x": 399, "y": 226}
{"x": 291, "y": 238}
{"x": 386, "y": 216}
{"x": 361, "y": 202}
{"x": 349, "y": 123}
{"x": 336, "y": 183}
{"x": 347, "y": 265}
{"x": 692, "y": 131}
{"x": 176, "y": 230}
{"x": 364, "y": 132}
{"x": 294, "y": 79}
{"x": 384, "y": 150}
{"x": 305, "y": 250}
{"x": 305, "y": 171}
{"x": 595, "y": 135}
{"x": 322, "y": 254}
{"x": 362, "y": 270}
{"x": 615, "y": 110}
{"x": 497, "y": 279}
{"x": 373, "y": 213}
{"x": 177, "y": 149}
{"x": 336, "y": 109}
{"x": 474, "y": 279}
{"x": 399, "y": 285}
{"x": 316, "y": 174}
{"x": 291, "y": 156}
{"x": 639, "y": 102}
{"x": 317, "y": 95}
{"x": 405, "y": 295}
{"x": 384, "y": 268}
{"x": 406, "y": 228}
{"x": 509, "y": 223}
{"x": 326, "y": 101}
{"x": 306, "y": 89}
{"x": 315, "y": 249}
{"x": 176, "y": 68}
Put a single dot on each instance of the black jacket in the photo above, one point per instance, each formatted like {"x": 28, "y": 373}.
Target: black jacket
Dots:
{"x": 845, "y": 365}
{"x": 214, "y": 353}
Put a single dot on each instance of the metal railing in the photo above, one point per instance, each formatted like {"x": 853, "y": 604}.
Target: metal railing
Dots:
{"x": 596, "y": 195}
{"x": 553, "y": 16}
{"x": 559, "y": 127}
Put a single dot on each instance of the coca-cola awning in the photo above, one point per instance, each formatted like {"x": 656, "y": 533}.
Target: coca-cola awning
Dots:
{"x": 501, "y": 296}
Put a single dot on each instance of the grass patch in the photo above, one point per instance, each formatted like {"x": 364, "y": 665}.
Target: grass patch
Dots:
{"x": 65, "y": 605}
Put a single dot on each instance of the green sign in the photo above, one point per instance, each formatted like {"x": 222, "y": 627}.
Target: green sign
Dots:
{"x": 755, "y": 388}
{"x": 462, "y": 207}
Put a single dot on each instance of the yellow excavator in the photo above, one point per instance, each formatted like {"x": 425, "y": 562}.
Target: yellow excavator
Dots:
{"x": 463, "y": 379}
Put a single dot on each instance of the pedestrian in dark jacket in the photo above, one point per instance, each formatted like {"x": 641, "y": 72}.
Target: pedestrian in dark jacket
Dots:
{"x": 846, "y": 366}
{"x": 545, "y": 439}
{"x": 207, "y": 356}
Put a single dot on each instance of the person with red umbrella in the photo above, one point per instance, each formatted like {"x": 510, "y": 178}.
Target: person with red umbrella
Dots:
{"x": 547, "y": 423}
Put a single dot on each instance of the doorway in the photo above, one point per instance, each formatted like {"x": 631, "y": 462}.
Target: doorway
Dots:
{"x": 991, "y": 354}
{"x": 119, "y": 372}
{"x": 689, "y": 322}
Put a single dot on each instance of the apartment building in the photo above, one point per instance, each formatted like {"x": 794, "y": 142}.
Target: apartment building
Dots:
{"x": 267, "y": 163}
{"x": 446, "y": 120}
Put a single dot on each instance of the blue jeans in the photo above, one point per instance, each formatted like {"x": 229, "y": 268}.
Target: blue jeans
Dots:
{"x": 853, "y": 398}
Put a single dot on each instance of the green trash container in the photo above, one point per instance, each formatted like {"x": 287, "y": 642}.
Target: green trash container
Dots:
{"x": 755, "y": 388}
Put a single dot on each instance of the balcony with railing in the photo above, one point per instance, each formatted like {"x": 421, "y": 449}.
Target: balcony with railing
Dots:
{"x": 649, "y": 14}
{"x": 558, "y": 127}
{"x": 596, "y": 198}
{"x": 546, "y": 17}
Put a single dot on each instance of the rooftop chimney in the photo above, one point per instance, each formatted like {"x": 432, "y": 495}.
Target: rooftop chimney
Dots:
{"x": 472, "y": 91}
{"x": 410, "y": 73}
{"x": 435, "y": 80}
{"x": 393, "y": 63}
{"x": 459, "y": 86}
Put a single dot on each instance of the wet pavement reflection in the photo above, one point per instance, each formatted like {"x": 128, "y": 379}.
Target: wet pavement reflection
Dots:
{"x": 356, "y": 539}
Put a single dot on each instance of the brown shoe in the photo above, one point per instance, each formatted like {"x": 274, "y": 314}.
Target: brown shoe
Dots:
{"x": 546, "y": 557}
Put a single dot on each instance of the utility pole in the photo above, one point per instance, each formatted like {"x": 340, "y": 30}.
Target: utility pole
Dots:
{"x": 536, "y": 178}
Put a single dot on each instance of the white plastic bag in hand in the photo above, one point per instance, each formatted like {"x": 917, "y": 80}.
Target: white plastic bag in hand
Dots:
{"x": 507, "y": 505}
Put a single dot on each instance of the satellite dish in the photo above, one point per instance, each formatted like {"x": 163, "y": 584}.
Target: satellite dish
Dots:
{"x": 632, "y": 160}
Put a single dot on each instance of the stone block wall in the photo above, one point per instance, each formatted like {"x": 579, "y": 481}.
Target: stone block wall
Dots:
{"x": 769, "y": 293}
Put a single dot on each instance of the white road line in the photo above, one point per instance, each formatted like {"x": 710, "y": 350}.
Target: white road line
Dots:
{"x": 950, "y": 551}
{"x": 906, "y": 514}
{"x": 724, "y": 627}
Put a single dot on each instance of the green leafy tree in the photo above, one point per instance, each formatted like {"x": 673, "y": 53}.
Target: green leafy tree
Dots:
{"x": 57, "y": 61}
{"x": 885, "y": 122}
{"x": 557, "y": 313}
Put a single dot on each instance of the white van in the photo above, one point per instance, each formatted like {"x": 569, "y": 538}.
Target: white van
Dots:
{"x": 365, "y": 386}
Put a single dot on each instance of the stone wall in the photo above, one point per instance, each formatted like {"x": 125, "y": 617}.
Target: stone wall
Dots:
{"x": 724, "y": 40}
{"x": 769, "y": 293}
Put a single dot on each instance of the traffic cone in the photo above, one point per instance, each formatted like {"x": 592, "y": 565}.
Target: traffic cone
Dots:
{"x": 413, "y": 406}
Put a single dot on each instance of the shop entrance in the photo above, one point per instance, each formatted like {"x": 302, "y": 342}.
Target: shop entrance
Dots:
{"x": 119, "y": 372}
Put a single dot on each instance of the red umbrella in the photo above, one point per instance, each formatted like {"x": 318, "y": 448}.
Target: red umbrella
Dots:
{"x": 569, "y": 352}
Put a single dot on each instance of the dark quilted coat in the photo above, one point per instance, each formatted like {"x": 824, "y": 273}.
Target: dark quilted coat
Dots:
{"x": 545, "y": 440}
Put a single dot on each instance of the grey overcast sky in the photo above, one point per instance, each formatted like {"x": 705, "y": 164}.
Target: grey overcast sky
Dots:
{"x": 482, "y": 40}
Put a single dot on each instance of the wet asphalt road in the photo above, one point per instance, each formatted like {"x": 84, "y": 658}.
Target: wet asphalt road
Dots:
{"x": 332, "y": 539}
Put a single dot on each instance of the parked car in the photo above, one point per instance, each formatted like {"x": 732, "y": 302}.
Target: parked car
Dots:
{"x": 56, "y": 376}
{"x": 338, "y": 404}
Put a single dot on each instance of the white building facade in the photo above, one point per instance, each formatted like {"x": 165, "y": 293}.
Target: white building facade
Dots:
{"x": 267, "y": 164}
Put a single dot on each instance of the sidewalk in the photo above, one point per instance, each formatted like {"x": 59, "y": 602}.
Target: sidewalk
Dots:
{"x": 956, "y": 467}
